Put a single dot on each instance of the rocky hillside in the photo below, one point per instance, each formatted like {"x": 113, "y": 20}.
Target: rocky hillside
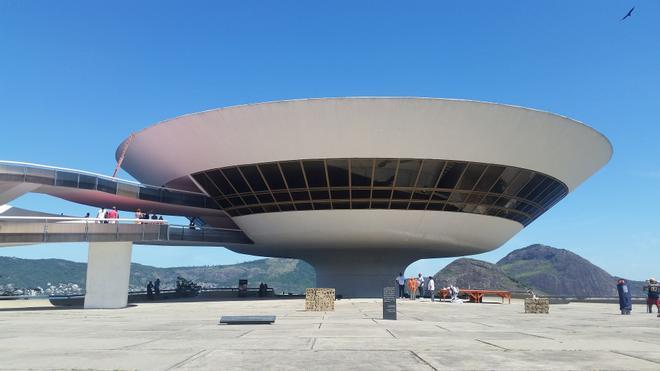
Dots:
{"x": 557, "y": 272}
{"x": 547, "y": 270}
{"x": 473, "y": 273}
{"x": 287, "y": 275}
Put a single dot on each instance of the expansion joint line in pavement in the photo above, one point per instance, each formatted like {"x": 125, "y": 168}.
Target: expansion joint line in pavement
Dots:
{"x": 245, "y": 333}
{"x": 633, "y": 356}
{"x": 444, "y": 328}
{"x": 491, "y": 344}
{"x": 422, "y": 360}
{"x": 188, "y": 359}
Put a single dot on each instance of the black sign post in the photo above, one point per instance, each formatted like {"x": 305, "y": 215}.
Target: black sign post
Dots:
{"x": 389, "y": 303}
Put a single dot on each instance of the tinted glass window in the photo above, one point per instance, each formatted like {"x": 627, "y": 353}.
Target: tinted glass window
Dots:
{"x": 452, "y": 173}
{"x": 220, "y": 182}
{"x": 252, "y": 175}
{"x": 106, "y": 186}
{"x": 235, "y": 178}
{"x": 265, "y": 198}
{"x": 489, "y": 177}
{"x": 407, "y": 175}
{"x": 431, "y": 170}
{"x": 320, "y": 195}
{"x": 273, "y": 176}
{"x": 453, "y": 186}
{"x": 87, "y": 182}
{"x": 522, "y": 178}
{"x": 471, "y": 176}
{"x": 361, "y": 173}
{"x": 42, "y": 176}
{"x": 206, "y": 184}
{"x": 293, "y": 174}
{"x": 338, "y": 173}
{"x": 505, "y": 179}
{"x": 66, "y": 179}
{"x": 282, "y": 196}
{"x": 531, "y": 185}
{"x": 384, "y": 173}
{"x": 539, "y": 189}
{"x": 315, "y": 172}
{"x": 149, "y": 193}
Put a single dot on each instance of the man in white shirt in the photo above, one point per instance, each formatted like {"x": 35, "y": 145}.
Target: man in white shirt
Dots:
{"x": 430, "y": 285}
{"x": 401, "y": 281}
{"x": 100, "y": 215}
{"x": 420, "y": 280}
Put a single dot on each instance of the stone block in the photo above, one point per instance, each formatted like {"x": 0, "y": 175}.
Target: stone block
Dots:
{"x": 537, "y": 305}
{"x": 320, "y": 299}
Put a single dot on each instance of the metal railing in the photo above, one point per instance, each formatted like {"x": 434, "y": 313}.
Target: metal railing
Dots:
{"x": 29, "y": 229}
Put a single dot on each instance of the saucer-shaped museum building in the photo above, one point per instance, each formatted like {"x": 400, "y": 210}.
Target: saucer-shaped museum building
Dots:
{"x": 362, "y": 187}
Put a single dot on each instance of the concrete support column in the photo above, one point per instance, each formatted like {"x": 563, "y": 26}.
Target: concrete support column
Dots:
{"x": 108, "y": 273}
{"x": 358, "y": 274}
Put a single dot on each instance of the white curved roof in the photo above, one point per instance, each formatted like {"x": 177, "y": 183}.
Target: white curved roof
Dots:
{"x": 370, "y": 128}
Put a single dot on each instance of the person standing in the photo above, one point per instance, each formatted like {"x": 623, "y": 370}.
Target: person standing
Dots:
{"x": 430, "y": 285}
{"x": 100, "y": 215}
{"x": 157, "y": 288}
{"x": 138, "y": 215}
{"x": 113, "y": 214}
{"x": 625, "y": 299}
{"x": 420, "y": 285}
{"x": 401, "y": 281}
{"x": 412, "y": 287}
{"x": 652, "y": 289}
{"x": 150, "y": 290}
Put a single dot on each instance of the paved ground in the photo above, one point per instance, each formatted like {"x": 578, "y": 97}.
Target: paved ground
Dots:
{"x": 427, "y": 336}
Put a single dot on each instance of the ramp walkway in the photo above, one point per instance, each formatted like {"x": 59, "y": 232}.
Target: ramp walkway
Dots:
{"x": 18, "y": 178}
{"x": 19, "y": 230}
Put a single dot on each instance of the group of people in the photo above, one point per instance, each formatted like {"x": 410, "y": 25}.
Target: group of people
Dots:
{"x": 416, "y": 286}
{"x": 421, "y": 287}
{"x": 107, "y": 215}
{"x": 139, "y": 215}
{"x": 153, "y": 289}
{"x": 110, "y": 215}
{"x": 652, "y": 290}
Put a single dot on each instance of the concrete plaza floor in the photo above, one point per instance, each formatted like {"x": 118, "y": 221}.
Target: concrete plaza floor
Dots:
{"x": 427, "y": 336}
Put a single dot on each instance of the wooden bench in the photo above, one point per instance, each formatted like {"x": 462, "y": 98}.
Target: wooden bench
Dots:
{"x": 476, "y": 296}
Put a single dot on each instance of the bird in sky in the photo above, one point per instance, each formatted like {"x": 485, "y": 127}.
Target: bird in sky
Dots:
{"x": 629, "y": 13}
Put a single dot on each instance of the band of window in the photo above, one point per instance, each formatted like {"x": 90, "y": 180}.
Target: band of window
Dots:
{"x": 404, "y": 184}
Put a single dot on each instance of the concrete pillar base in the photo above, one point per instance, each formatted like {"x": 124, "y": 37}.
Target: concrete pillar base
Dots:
{"x": 108, "y": 273}
{"x": 356, "y": 274}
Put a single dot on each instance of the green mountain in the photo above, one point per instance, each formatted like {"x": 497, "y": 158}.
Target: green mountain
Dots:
{"x": 288, "y": 275}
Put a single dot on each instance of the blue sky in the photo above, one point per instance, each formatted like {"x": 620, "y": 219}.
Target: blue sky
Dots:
{"x": 77, "y": 77}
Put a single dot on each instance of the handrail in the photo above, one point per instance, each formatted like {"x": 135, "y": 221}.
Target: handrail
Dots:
{"x": 56, "y": 219}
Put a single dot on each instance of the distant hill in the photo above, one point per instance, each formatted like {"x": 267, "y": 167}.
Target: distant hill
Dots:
{"x": 545, "y": 269}
{"x": 558, "y": 272}
{"x": 287, "y": 275}
{"x": 472, "y": 273}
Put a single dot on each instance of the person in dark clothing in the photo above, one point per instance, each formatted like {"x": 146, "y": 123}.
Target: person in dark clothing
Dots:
{"x": 625, "y": 299}
{"x": 150, "y": 291}
{"x": 157, "y": 288}
{"x": 652, "y": 289}
{"x": 261, "y": 289}
{"x": 265, "y": 289}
